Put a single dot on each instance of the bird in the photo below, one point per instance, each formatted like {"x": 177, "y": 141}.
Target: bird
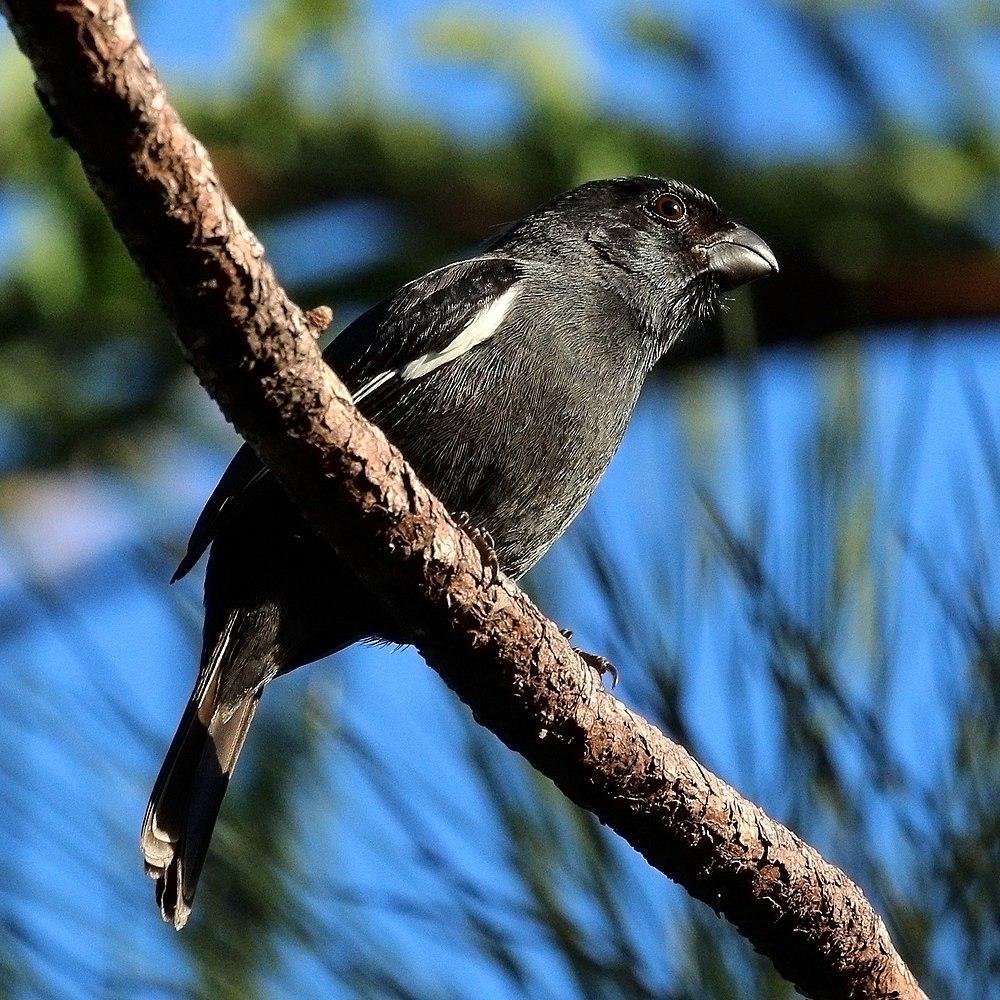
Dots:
{"x": 507, "y": 379}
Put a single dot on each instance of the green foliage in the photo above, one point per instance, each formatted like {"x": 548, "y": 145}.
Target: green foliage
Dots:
{"x": 901, "y": 198}
{"x": 653, "y": 31}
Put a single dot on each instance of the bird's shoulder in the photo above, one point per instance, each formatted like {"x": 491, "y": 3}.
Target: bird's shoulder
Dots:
{"x": 424, "y": 316}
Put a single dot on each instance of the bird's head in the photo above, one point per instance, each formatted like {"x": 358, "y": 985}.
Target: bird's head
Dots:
{"x": 666, "y": 247}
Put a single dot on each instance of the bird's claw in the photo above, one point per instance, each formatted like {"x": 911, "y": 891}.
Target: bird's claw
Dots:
{"x": 483, "y": 541}
{"x": 599, "y": 663}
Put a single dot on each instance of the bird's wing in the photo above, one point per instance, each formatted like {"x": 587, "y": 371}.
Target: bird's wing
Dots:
{"x": 424, "y": 325}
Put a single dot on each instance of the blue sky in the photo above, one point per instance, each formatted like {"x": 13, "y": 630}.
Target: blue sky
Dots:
{"x": 80, "y": 530}
{"x": 766, "y": 95}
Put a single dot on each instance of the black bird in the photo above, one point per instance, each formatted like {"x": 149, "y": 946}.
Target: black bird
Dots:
{"x": 507, "y": 380}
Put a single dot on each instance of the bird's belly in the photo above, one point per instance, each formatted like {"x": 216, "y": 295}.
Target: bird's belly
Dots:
{"x": 525, "y": 477}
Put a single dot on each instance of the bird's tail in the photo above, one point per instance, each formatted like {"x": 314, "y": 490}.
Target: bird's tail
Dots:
{"x": 185, "y": 801}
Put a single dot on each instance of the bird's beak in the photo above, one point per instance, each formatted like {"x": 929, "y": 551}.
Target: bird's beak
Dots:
{"x": 739, "y": 256}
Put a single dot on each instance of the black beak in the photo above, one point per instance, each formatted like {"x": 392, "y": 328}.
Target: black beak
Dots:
{"x": 739, "y": 256}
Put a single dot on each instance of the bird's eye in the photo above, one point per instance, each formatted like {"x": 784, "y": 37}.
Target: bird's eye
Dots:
{"x": 670, "y": 208}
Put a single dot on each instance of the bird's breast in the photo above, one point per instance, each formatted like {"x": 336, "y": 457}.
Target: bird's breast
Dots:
{"x": 520, "y": 447}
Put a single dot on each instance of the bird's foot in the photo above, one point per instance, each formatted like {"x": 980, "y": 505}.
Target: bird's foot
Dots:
{"x": 599, "y": 663}
{"x": 483, "y": 541}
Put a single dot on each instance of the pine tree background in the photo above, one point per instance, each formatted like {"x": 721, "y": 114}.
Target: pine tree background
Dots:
{"x": 793, "y": 560}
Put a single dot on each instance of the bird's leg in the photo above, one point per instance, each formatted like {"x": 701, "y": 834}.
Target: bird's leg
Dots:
{"x": 600, "y": 663}
{"x": 483, "y": 541}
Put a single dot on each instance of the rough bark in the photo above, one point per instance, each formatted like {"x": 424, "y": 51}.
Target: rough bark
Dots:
{"x": 255, "y": 352}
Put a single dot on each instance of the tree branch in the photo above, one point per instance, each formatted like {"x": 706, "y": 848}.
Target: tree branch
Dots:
{"x": 255, "y": 352}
